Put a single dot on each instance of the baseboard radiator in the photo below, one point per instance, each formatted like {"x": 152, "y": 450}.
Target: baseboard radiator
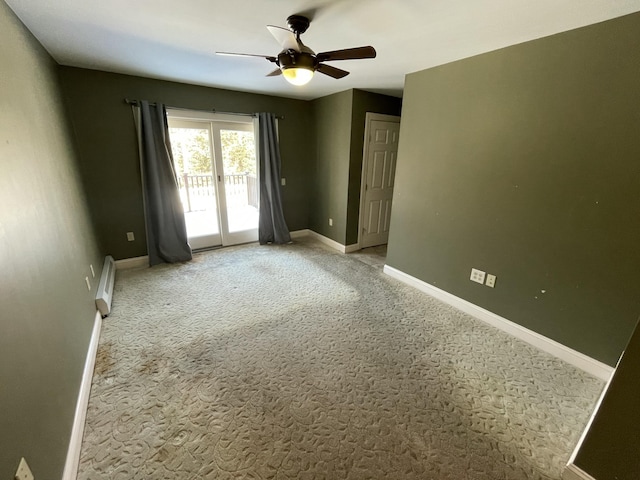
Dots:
{"x": 105, "y": 288}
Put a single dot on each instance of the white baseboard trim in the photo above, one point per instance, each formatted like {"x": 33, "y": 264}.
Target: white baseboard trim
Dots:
{"x": 300, "y": 233}
{"x": 326, "y": 241}
{"x": 133, "y": 262}
{"x": 575, "y": 358}
{"x": 354, "y": 247}
{"x": 75, "y": 444}
{"x": 571, "y": 472}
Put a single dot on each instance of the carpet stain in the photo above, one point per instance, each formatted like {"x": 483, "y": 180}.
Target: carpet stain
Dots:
{"x": 104, "y": 359}
{"x": 149, "y": 367}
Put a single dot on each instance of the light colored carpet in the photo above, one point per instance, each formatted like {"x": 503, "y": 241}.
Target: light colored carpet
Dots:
{"x": 294, "y": 362}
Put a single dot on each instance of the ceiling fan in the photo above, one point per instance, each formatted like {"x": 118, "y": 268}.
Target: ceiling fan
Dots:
{"x": 297, "y": 62}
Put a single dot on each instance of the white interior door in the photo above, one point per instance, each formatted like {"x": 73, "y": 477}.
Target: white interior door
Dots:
{"x": 215, "y": 162}
{"x": 379, "y": 172}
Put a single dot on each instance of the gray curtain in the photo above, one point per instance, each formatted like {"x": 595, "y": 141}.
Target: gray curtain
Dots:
{"x": 272, "y": 227}
{"x": 164, "y": 215}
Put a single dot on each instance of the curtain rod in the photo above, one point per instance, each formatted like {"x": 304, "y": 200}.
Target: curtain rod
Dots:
{"x": 136, "y": 103}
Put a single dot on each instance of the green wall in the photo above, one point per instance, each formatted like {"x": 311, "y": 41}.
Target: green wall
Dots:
{"x": 524, "y": 163}
{"x": 332, "y": 116}
{"x": 107, "y": 145}
{"x": 321, "y": 144}
{"x": 339, "y": 127}
{"x": 46, "y": 247}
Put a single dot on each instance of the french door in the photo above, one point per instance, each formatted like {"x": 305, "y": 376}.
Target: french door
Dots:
{"x": 215, "y": 162}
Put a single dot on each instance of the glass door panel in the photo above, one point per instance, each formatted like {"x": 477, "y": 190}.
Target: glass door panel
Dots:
{"x": 240, "y": 178}
{"x": 192, "y": 157}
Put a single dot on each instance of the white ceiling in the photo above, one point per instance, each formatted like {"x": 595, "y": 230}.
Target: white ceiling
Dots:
{"x": 176, "y": 39}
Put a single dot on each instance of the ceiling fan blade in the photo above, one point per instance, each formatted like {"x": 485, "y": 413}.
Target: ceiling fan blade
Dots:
{"x": 332, "y": 71}
{"x": 284, "y": 37}
{"x": 275, "y": 73}
{"x": 347, "y": 54}
{"x": 230, "y": 54}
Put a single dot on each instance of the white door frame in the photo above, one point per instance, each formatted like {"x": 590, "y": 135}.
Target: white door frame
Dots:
{"x": 369, "y": 117}
{"x": 214, "y": 122}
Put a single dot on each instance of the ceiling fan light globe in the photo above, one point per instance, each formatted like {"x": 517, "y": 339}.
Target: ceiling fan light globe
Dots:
{"x": 297, "y": 76}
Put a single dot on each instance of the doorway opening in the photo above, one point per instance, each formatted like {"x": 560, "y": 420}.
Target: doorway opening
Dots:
{"x": 216, "y": 165}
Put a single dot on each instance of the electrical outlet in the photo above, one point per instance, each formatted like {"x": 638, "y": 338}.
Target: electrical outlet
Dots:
{"x": 331, "y": 222}
{"x": 23, "y": 472}
{"x": 283, "y": 181}
{"x": 491, "y": 280}
{"x": 93, "y": 272}
{"x": 86, "y": 279}
{"x": 130, "y": 236}
{"x": 477, "y": 276}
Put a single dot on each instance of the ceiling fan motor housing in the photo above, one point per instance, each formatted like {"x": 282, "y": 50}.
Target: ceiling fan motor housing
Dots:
{"x": 293, "y": 59}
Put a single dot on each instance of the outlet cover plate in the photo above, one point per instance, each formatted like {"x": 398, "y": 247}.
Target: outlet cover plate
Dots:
{"x": 491, "y": 280}
{"x": 23, "y": 472}
{"x": 477, "y": 276}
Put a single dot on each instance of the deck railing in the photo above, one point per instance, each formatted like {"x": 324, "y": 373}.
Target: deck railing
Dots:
{"x": 198, "y": 192}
